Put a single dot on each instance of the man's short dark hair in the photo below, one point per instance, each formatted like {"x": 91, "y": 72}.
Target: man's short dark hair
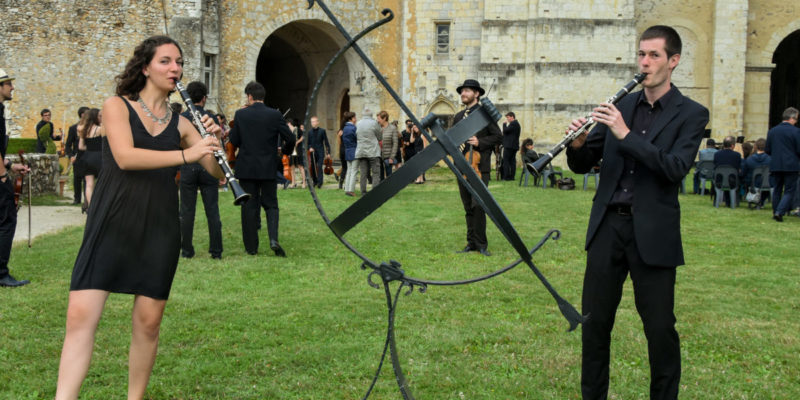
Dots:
{"x": 348, "y": 115}
{"x": 761, "y": 144}
{"x": 197, "y": 90}
{"x": 82, "y": 110}
{"x": 711, "y": 143}
{"x": 511, "y": 114}
{"x": 408, "y": 121}
{"x": 789, "y": 113}
{"x": 45, "y": 111}
{"x": 672, "y": 41}
{"x": 728, "y": 142}
{"x": 256, "y": 90}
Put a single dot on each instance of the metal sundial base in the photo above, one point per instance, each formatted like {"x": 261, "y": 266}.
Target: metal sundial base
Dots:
{"x": 444, "y": 148}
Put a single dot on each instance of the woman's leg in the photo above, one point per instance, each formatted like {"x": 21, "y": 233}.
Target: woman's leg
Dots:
{"x": 89, "y": 188}
{"x": 147, "y": 313}
{"x": 83, "y": 313}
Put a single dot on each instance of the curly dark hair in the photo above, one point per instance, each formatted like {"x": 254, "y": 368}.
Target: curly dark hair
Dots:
{"x": 131, "y": 81}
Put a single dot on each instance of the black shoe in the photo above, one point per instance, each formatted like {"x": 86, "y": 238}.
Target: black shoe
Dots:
{"x": 186, "y": 254}
{"x": 216, "y": 256}
{"x": 252, "y": 253}
{"x": 9, "y": 281}
{"x": 485, "y": 252}
{"x": 274, "y": 246}
{"x": 467, "y": 249}
{"x": 76, "y": 202}
{"x": 777, "y": 217}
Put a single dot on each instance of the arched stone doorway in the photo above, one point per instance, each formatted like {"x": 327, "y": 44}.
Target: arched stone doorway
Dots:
{"x": 785, "y": 87}
{"x": 289, "y": 63}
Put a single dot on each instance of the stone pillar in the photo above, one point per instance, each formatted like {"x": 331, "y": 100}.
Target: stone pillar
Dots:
{"x": 728, "y": 74}
{"x": 756, "y": 102}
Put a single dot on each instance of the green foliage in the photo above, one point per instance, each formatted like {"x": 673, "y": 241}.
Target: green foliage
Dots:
{"x": 44, "y": 136}
{"x": 309, "y": 327}
{"x": 15, "y": 144}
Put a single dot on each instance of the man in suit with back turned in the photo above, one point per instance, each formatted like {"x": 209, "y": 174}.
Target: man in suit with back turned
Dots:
{"x": 256, "y": 130}
{"x": 647, "y": 142}
{"x": 783, "y": 145}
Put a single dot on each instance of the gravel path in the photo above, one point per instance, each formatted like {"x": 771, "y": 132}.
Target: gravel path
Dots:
{"x": 46, "y": 219}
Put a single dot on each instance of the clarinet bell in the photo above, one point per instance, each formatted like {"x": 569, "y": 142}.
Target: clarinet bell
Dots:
{"x": 239, "y": 195}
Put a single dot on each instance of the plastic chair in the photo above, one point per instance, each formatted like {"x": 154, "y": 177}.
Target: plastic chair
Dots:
{"x": 726, "y": 179}
{"x": 706, "y": 170}
{"x": 526, "y": 173}
{"x": 760, "y": 181}
{"x": 595, "y": 172}
{"x": 547, "y": 173}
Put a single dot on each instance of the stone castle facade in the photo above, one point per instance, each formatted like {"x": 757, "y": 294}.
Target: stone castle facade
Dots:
{"x": 549, "y": 61}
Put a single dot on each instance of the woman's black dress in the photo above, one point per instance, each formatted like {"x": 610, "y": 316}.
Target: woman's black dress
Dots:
{"x": 93, "y": 156}
{"x": 132, "y": 237}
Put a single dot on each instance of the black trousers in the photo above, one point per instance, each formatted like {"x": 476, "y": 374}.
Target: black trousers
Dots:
{"x": 263, "y": 193}
{"x": 316, "y": 171}
{"x": 612, "y": 255}
{"x": 77, "y": 178}
{"x": 8, "y": 223}
{"x": 509, "y": 164}
{"x": 475, "y": 217}
{"x": 194, "y": 177}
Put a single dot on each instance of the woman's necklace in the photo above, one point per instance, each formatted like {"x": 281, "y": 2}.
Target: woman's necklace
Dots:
{"x": 152, "y": 116}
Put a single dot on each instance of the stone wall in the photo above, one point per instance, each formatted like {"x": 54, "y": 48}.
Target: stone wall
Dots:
{"x": 44, "y": 173}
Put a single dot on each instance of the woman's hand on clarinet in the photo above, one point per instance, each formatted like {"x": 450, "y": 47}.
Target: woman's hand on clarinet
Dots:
{"x": 205, "y": 146}
{"x": 607, "y": 114}
{"x": 576, "y": 124}
{"x": 210, "y": 126}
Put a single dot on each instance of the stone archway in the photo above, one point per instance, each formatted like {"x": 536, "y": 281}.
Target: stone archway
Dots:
{"x": 785, "y": 85}
{"x": 289, "y": 63}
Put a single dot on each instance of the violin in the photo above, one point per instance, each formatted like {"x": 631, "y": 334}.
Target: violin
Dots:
{"x": 328, "y": 165}
{"x": 18, "y": 181}
{"x": 287, "y": 171}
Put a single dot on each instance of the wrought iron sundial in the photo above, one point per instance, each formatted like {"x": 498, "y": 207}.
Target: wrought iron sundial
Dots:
{"x": 446, "y": 144}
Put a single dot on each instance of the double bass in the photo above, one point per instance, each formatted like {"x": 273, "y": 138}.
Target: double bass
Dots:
{"x": 18, "y": 191}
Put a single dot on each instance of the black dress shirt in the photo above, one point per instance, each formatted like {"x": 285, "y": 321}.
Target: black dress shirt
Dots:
{"x": 643, "y": 116}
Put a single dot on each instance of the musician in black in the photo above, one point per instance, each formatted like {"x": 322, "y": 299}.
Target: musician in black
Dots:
{"x": 482, "y": 144}
{"x": 256, "y": 131}
{"x": 647, "y": 142}
{"x": 8, "y": 210}
{"x": 511, "y": 130}
{"x": 319, "y": 148}
{"x": 74, "y": 154}
{"x": 194, "y": 177}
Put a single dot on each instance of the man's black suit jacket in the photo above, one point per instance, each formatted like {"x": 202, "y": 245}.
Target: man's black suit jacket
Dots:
{"x": 663, "y": 158}
{"x": 487, "y": 138}
{"x": 72, "y": 141}
{"x": 783, "y": 145}
{"x": 318, "y": 140}
{"x": 511, "y": 135}
{"x": 256, "y": 130}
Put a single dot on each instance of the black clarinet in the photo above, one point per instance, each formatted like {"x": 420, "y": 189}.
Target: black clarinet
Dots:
{"x": 537, "y": 166}
{"x": 239, "y": 195}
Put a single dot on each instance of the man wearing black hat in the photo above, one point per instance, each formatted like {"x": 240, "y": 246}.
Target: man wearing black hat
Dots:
{"x": 478, "y": 147}
{"x": 8, "y": 210}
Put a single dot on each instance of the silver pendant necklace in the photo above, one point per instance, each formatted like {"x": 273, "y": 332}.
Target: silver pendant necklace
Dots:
{"x": 152, "y": 116}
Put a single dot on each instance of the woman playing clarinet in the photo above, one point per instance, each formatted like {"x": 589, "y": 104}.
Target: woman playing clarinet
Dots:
{"x": 132, "y": 237}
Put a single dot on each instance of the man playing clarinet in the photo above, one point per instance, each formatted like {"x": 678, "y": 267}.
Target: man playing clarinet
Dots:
{"x": 647, "y": 143}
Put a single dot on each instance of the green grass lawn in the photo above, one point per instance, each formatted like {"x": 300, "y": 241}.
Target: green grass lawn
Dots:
{"x": 309, "y": 327}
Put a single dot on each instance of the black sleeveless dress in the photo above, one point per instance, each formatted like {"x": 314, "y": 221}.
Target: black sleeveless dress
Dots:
{"x": 93, "y": 156}
{"x": 132, "y": 238}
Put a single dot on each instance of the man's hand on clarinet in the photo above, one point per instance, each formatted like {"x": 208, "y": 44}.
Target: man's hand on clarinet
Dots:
{"x": 576, "y": 124}
{"x": 608, "y": 114}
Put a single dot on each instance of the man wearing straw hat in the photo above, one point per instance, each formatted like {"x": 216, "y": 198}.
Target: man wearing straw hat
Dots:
{"x": 8, "y": 210}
